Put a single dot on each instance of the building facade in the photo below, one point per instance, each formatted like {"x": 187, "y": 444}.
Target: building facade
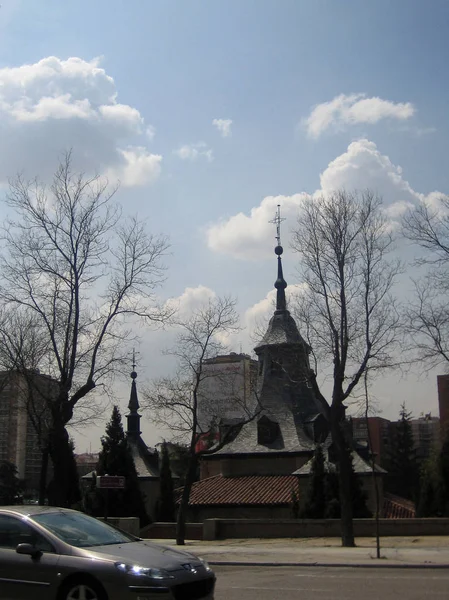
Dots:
{"x": 226, "y": 390}
{"x": 443, "y": 400}
{"x": 379, "y": 438}
{"x": 24, "y": 422}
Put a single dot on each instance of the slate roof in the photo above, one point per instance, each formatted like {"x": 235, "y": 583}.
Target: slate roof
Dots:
{"x": 253, "y": 490}
{"x": 291, "y": 439}
{"x": 361, "y": 467}
{"x": 145, "y": 459}
{"x": 398, "y": 508}
{"x": 282, "y": 329}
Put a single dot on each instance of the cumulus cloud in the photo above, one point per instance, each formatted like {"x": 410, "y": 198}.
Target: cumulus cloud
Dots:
{"x": 362, "y": 166}
{"x": 53, "y": 105}
{"x": 223, "y": 126}
{"x": 193, "y": 152}
{"x": 353, "y": 109}
{"x": 257, "y": 316}
{"x": 246, "y": 236}
{"x": 191, "y": 299}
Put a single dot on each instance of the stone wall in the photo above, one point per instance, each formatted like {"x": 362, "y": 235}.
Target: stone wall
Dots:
{"x": 239, "y": 465}
{"x": 198, "y": 514}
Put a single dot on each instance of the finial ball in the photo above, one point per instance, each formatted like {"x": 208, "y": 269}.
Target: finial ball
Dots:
{"x": 279, "y": 250}
{"x": 133, "y": 375}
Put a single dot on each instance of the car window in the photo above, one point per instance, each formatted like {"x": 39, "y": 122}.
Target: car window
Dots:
{"x": 80, "y": 530}
{"x": 14, "y": 531}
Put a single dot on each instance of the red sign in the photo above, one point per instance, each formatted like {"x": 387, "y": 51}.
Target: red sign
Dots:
{"x": 111, "y": 482}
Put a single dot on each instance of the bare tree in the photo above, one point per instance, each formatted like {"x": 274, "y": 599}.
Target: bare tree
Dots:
{"x": 182, "y": 404}
{"x": 347, "y": 309}
{"x": 428, "y": 312}
{"x": 81, "y": 270}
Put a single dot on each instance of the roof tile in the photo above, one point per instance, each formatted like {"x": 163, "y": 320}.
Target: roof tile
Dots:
{"x": 247, "y": 490}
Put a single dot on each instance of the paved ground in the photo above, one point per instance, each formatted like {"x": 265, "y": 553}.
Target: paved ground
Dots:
{"x": 305, "y": 583}
{"x": 426, "y": 551}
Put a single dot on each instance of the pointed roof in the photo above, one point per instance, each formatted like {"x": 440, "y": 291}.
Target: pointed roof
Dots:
{"x": 133, "y": 417}
{"x": 133, "y": 404}
{"x": 282, "y": 328}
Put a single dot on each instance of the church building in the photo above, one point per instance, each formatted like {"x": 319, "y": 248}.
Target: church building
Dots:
{"x": 267, "y": 463}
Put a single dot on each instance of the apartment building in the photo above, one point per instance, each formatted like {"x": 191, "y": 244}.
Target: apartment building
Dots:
{"x": 24, "y": 422}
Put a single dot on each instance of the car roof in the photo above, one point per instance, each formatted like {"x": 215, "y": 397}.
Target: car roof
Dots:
{"x": 30, "y": 510}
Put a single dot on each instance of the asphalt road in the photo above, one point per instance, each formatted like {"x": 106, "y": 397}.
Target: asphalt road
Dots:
{"x": 316, "y": 583}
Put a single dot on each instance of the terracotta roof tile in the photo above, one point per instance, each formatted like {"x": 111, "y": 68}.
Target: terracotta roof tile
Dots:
{"x": 398, "y": 508}
{"x": 248, "y": 490}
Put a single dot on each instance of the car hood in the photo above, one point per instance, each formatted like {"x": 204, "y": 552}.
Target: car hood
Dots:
{"x": 144, "y": 554}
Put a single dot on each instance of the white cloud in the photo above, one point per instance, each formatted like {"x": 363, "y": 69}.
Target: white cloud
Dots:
{"x": 257, "y": 315}
{"x": 53, "y": 105}
{"x": 151, "y": 132}
{"x": 353, "y": 109}
{"x": 362, "y": 166}
{"x": 223, "y": 126}
{"x": 244, "y": 236}
{"x": 140, "y": 167}
{"x": 194, "y": 151}
{"x": 190, "y": 300}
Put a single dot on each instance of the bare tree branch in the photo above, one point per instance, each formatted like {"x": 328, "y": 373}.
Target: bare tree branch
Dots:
{"x": 80, "y": 270}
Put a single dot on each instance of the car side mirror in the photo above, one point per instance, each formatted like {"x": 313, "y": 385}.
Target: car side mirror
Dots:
{"x": 29, "y": 549}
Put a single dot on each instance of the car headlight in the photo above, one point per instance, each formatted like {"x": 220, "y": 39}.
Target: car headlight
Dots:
{"x": 143, "y": 571}
{"x": 205, "y": 564}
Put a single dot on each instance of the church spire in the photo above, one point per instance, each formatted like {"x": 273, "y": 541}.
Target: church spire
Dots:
{"x": 280, "y": 284}
{"x": 133, "y": 416}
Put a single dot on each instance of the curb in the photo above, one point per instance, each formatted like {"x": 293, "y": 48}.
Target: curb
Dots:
{"x": 233, "y": 563}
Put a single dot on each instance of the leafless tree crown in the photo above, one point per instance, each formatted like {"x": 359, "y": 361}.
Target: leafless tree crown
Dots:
{"x": 77, "y": 269}
{"x": 347, "y": 310}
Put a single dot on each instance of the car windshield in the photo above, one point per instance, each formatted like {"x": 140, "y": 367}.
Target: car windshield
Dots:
{"x": 81, "y": 530}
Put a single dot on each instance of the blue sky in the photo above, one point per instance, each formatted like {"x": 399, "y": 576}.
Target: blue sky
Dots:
{"x": 354, "y": 91}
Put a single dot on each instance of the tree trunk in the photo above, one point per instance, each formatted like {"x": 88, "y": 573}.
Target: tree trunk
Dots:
{"x": 184, "y": 504}
{"x": 58, "y": 491}
{"x": 43, "y": 476}
{"x": 344, "y": 478}
{"x": 347, "y": 527}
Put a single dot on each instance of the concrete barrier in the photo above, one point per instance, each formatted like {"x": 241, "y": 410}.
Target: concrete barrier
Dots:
{"x": 167, "y": 531}
{"x": 257, "y": 528}
{"x": 128, "y": 524}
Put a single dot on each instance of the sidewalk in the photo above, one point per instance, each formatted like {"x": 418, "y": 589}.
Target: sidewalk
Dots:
{"x": 404, "y": 552}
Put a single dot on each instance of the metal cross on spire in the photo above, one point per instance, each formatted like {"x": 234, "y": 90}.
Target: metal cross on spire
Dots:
{"x": 134, "y": 359}
{"x": 134, "y": 365}
{"x": 277, "y": 221}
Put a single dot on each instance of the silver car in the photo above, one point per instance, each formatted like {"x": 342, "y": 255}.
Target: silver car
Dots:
{"x": 59, "y": 554}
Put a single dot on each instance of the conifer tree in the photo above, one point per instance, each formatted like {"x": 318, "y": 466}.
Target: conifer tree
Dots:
{"x": 115, "y": 459}
{"x": 427, "y": 505}
{"x": 315, "y": 504}
{"x": 332, "y": 494}
{"x": 73, "y": 489}
{"x": 9, "y": 483}
{"x": 403, "y": 470}
{"x": 166, "y": 511}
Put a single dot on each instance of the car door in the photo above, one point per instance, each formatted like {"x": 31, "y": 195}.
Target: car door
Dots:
{"x": 23, "y": 577}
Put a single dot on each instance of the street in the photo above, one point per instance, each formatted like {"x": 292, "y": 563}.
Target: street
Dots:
{"x": 316, "y": 583}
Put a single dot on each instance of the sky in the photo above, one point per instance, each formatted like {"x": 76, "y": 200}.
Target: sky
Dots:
{"x": 212, "y": 113}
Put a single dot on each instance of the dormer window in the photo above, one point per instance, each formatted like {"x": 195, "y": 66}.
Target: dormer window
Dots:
{"x": 268, "y": 431}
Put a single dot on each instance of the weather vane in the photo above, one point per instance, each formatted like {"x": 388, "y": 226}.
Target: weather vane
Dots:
{"x": 277, "y": 221}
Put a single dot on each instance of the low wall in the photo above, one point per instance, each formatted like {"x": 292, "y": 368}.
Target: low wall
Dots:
{"x": 129, "y": 524}
{"x": 214, "y": 529}
{"x": 167, "y": 531}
